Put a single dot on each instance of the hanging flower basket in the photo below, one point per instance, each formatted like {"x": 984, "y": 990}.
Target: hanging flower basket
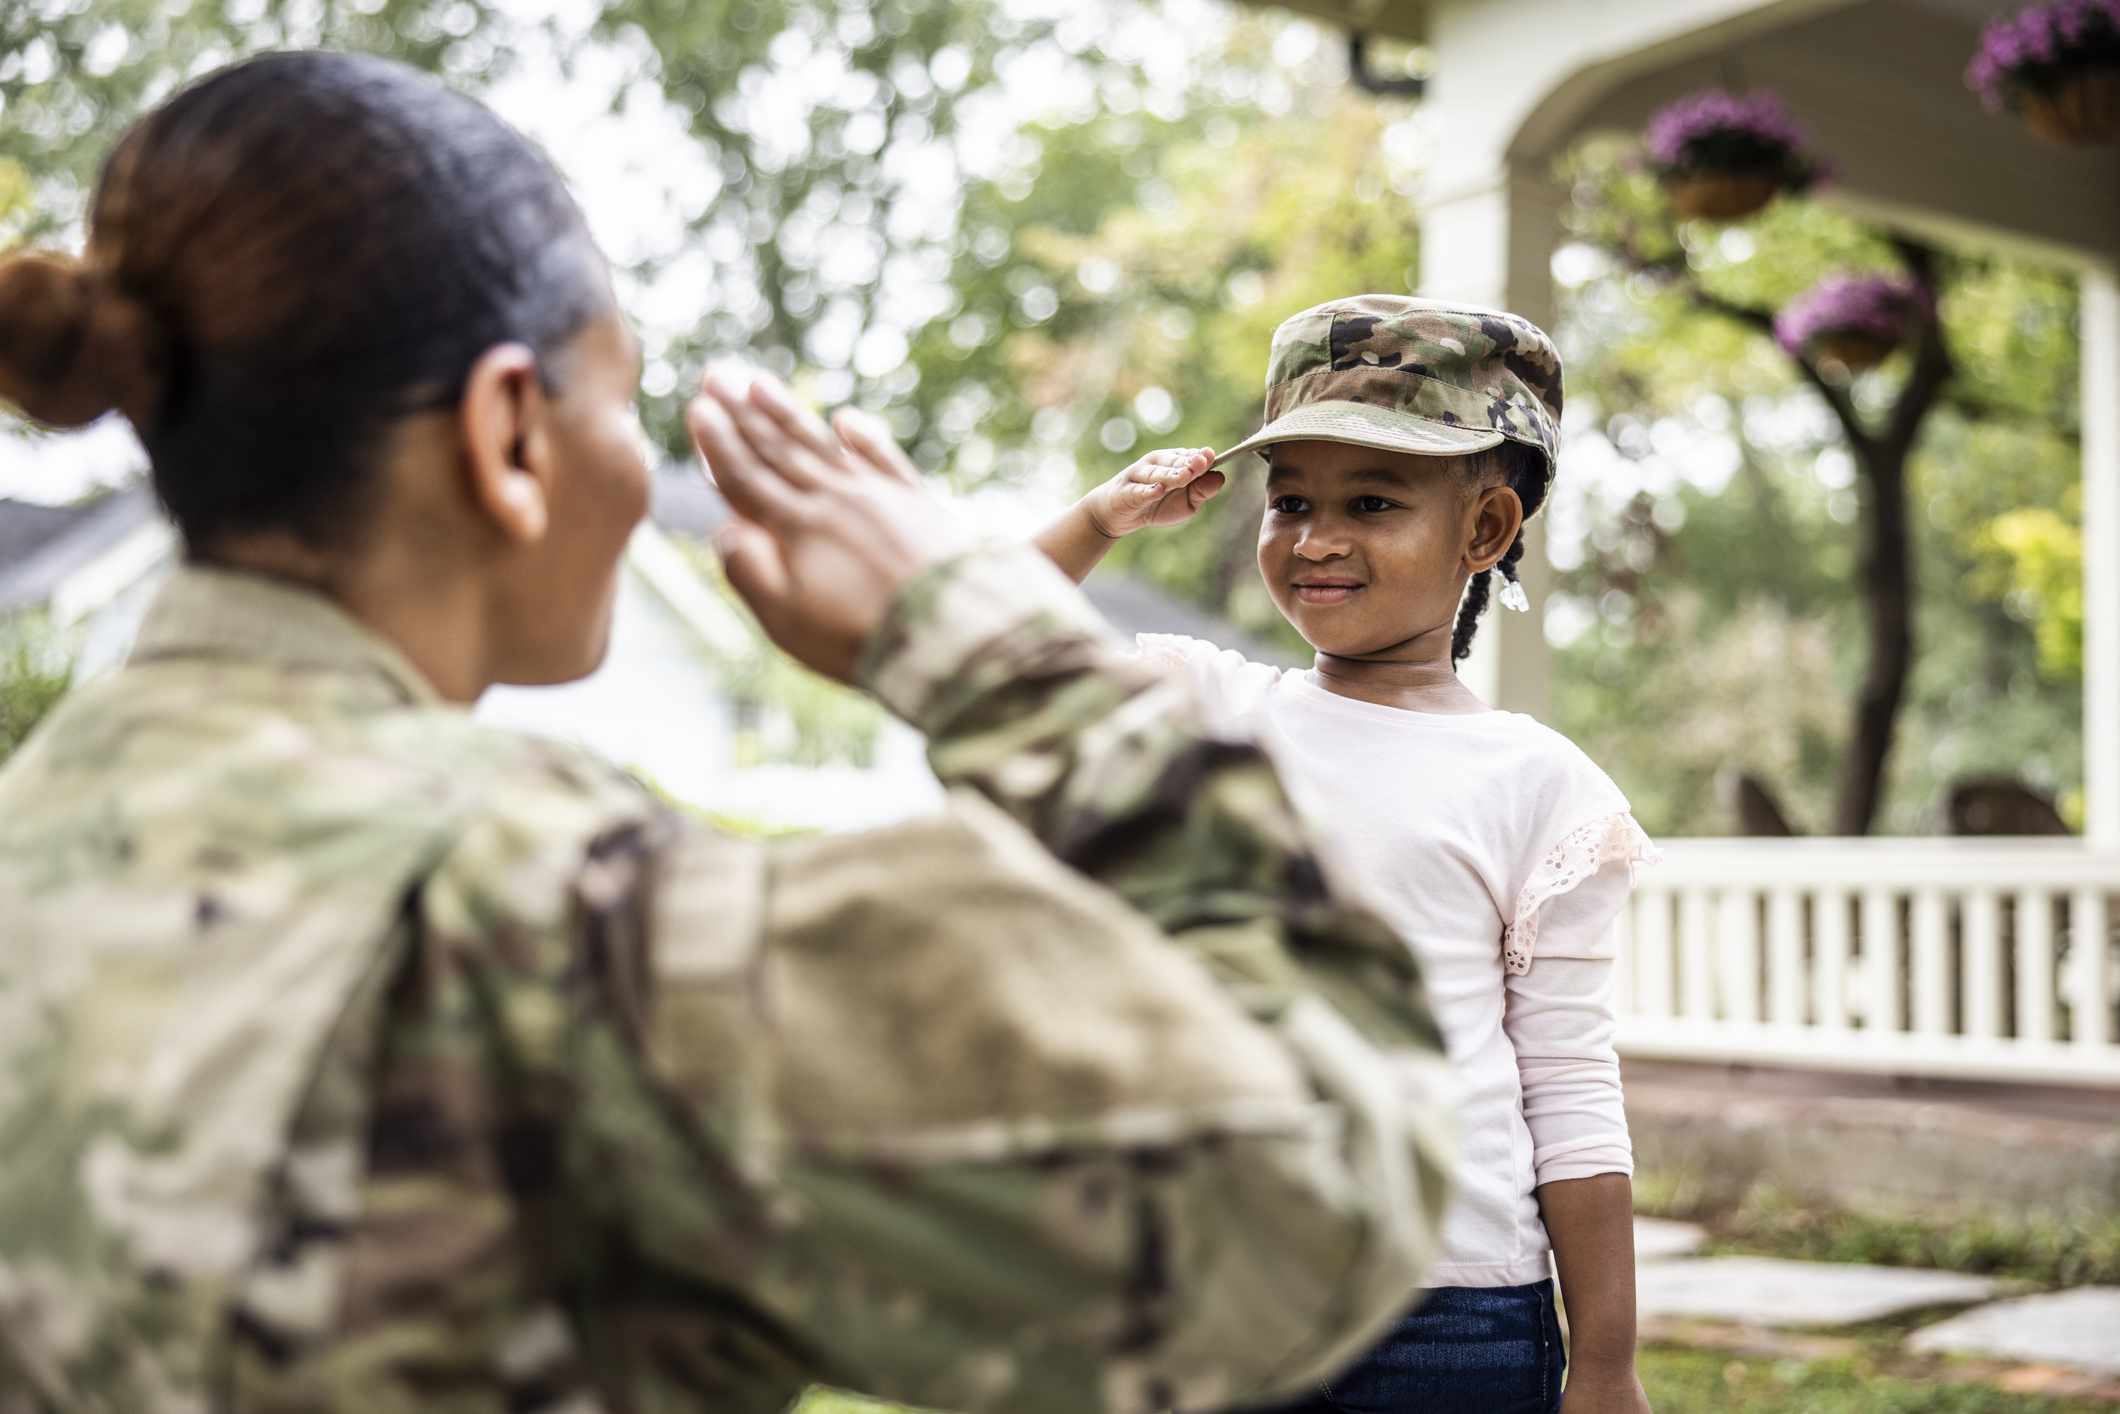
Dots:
{"x": 2084, "y": 111}
{"x": 1720, "y": 196}
{"x": 1854, "y": 320}
{"x": 1853, "y": 349}
{"x": 2058, "y": 66}
{"x": 1722, "y": 157}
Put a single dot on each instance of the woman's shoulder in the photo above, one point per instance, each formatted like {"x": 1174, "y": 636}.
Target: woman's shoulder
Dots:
{"x": 533, "y": 814}
{"x": 164, "y": 782}
{"x": 532, "y": 786}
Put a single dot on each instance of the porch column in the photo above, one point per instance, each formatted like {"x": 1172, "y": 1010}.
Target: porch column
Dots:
{"x": 1490, "y": 241}
{"x": 2100, "y": 291}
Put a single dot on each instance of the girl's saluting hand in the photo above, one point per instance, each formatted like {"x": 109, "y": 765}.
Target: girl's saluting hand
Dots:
{"x": 1163, "y": 488}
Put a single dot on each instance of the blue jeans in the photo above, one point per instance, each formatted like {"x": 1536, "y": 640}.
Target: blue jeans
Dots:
{"x": 1461, "y": 1350}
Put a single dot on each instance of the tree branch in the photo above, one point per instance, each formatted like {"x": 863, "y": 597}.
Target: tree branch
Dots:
{"x": 1919, "y": 258}
{"x": 1762, "y": 321}
{"x": 1933, "y": 366}
{"x": 1752, "y": 317}
{"x": 1975, "y": 408}
{"x": 1887, "y": 570}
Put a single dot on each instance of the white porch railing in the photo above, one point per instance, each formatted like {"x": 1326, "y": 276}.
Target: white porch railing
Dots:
{"x": 1974, "y": 959}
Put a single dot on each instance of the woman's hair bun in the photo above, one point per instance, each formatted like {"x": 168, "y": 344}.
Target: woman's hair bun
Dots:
{"x": 72, "y": 346}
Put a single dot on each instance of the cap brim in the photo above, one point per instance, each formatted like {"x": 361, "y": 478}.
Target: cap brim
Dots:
{"x": 1366, "y": 425}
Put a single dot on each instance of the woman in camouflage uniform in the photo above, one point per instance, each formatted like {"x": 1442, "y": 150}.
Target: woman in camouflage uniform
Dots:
{"x": 356, "y": 1056}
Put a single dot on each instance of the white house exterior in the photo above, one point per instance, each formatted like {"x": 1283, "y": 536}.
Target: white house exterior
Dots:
{"x": 89, "y": 570}
{"x": 1945, "y": 957}
{"x": 657, "y": 704}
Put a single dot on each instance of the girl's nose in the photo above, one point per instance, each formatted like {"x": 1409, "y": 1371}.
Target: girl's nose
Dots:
{"x": 1321, "y": 543}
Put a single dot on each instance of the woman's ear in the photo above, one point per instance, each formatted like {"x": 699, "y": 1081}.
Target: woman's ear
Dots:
{"x": 1497, "y": 516}
{"x": 507, "y": 442}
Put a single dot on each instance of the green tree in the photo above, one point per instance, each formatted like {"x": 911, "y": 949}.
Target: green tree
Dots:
{"x": 2037, "y": 562}
{"x": 73, "y": 76}
{"x": 1121, "y": 288}
{"x": 1670, "y": 362}
{"x": 838, "y": 134}
{"x": 831, "y": 134}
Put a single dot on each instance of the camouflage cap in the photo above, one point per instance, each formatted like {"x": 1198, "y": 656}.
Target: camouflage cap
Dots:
{"x": 1411, "y": 375}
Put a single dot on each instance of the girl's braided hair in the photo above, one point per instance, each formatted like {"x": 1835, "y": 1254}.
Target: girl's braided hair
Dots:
{"x": 1523, "y": 470}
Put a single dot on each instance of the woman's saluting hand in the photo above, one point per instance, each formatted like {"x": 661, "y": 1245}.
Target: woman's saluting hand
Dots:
{"x": 821, "y": 539}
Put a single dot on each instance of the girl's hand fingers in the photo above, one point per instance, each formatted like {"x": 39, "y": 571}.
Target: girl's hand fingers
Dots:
{"x": 868, "y": 437}
{"x": 1191, "y": 465}
{"x": 1167, "y": 467}
{"x": 754, "y": 490}
{"x": 1206, "y": 487}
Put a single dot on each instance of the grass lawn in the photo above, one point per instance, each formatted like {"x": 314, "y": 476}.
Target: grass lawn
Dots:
{"x": 827, "y": 1401}
{"x": 2051, "y": 1249}
{"x": 1681, "y": 1381}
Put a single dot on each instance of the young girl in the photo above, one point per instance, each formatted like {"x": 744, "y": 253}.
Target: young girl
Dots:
{"x": 1406, "y": 441}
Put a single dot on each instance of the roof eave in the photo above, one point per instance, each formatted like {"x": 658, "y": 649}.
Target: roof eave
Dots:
{"x": 1394, "y": 19}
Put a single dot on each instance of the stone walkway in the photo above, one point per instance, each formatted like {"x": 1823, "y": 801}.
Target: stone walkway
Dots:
{"x": 2079, "y": 1329}
{"x": 2076, "y": 1331}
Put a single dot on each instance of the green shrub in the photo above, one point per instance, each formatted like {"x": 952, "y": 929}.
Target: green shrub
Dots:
{"x": 34, "y": 675}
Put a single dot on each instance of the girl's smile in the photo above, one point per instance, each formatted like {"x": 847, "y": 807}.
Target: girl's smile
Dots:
{"x": 1327, "y": 591}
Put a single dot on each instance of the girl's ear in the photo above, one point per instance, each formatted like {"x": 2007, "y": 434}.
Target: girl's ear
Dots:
{"x": 1497, "y": 517}
{"x": 506, "y": 443}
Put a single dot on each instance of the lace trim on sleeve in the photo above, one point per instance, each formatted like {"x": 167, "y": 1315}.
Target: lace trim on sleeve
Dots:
{"x": 1614, "y": 839}
{"x": 1163, "y": 649}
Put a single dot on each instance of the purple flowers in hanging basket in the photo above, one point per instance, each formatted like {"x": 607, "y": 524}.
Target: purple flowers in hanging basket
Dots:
{"x": 1718, "y": 132}
{"x": 1886, "y": 310}
{"x": 2035, "y": 50}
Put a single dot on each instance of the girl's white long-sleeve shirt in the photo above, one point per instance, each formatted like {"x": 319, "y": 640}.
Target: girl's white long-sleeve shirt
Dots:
{"x": 1501, "y": 854}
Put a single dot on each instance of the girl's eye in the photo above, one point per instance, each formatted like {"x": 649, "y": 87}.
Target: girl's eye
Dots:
{"x": 1370, "y": 505}
{"x": 1289, "y": 505}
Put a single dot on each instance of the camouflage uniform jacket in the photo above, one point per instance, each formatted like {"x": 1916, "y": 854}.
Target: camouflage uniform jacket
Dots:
{"x": 357, "y": 1056}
